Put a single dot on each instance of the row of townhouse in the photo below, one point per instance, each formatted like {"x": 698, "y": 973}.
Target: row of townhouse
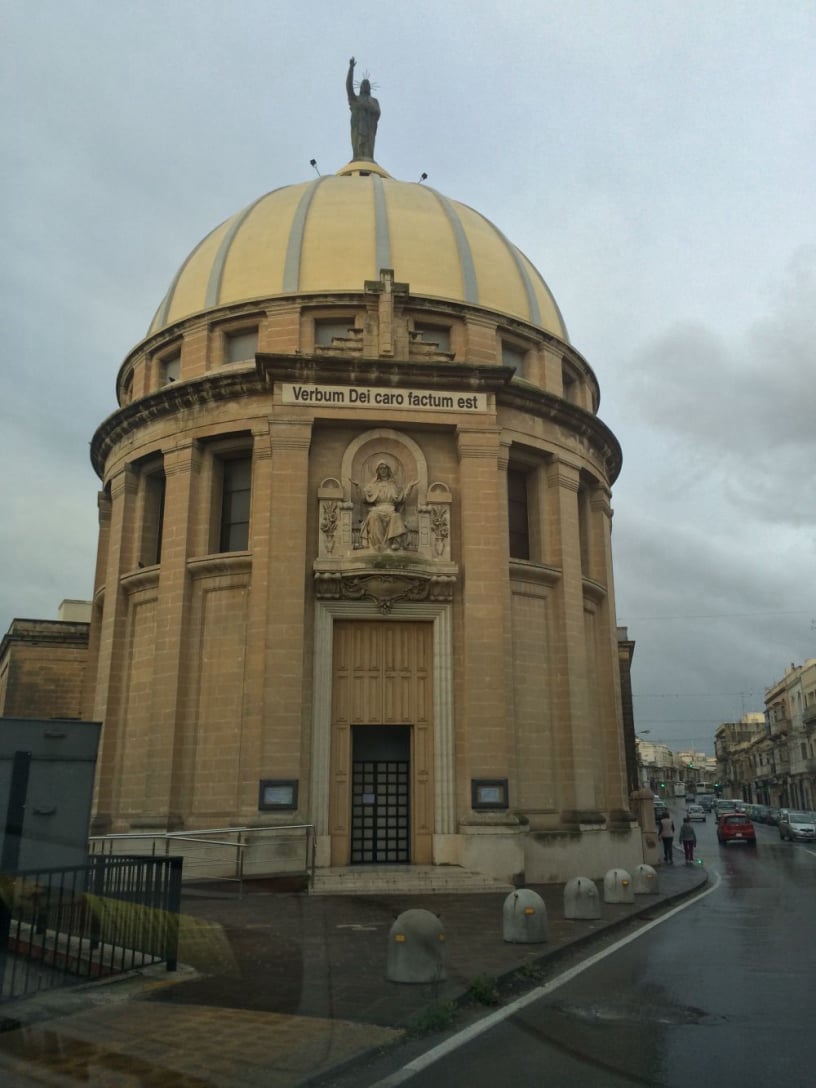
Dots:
{"x": 770, "y": 757}
{"x": 671, "y": 774}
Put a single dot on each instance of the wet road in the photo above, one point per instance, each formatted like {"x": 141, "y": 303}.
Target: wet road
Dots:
{"x": 722, "y": 993}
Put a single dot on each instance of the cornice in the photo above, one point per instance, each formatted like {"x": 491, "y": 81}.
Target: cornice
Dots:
{"x": 221, "y": 385}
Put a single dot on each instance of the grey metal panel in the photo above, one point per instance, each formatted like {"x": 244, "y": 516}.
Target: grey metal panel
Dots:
{"x": 60, "y": 788}
{"x": 52, "y": 738}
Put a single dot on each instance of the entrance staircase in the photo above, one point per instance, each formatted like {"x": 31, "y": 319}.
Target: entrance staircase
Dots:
{"x": 404, "y": 880}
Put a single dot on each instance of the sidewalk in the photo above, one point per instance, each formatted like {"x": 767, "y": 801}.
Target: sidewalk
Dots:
{"x": 279, "y": 988}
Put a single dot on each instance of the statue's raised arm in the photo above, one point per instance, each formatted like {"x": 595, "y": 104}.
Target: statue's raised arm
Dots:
{"x": 365, "y": 113}
{"x": 352, "y": 97}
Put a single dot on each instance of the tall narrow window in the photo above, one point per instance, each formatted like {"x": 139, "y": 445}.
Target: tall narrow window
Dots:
{"x": 152, "y": 519}
{"x": 519, "y": 524}
{"x": 571, "y": 384}
{"x": 127, "y": 389}
{"x": 584, "y": 529}
{"x": 235, "y": 498}
{"x": 171, "y": 368}
{"x": 513, "y": 355}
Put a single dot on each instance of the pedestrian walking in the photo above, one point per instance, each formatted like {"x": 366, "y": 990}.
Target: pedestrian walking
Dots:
{"x": 666, "y": 827}
{"x": 688, "y": 838}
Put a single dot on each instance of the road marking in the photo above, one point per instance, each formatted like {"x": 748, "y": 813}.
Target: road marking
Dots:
{"x": 462, "y": 1037}
{"x": 809, "y": 851}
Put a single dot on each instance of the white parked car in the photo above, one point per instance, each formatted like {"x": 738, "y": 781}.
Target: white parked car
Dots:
{"x": 797, "y": 825}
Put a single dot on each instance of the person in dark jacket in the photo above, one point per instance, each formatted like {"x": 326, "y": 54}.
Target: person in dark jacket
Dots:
{"x": 688, "y": 838}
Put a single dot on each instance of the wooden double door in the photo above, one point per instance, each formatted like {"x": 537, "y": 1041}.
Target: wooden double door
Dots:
{"x": 381, "y": 801}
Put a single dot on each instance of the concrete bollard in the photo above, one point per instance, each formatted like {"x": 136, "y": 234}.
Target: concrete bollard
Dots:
{"x": 618, "y": 887}
{"x": 645, "y": 880}
{"x": 524, "y": 918}
{"x": 416, "y": 948}
{"x": 581, "y": 898}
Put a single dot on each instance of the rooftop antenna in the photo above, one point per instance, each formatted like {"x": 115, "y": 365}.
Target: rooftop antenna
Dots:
{"x": 423, "y": 177}
{"x": 313, "y": 163}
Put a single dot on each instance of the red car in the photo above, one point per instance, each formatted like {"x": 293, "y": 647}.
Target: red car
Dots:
{"x": 735, "y": 827}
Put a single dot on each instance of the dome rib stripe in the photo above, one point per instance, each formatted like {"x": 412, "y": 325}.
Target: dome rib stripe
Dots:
{"x": 521, "y": 257}
{"x": 294, "y": 247}
{"x": 470, "y": 282}
{"x": 160, "y": 319}
{"x": 529, "y": 290}
{"x": 382, "y": 234}
{"x": 213, "y": 296}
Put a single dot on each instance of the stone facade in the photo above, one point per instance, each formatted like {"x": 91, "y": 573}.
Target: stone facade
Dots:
{"x": 775, "y": 764}
{"x": 384, "y": 525}
{"x": 43, "y": 665}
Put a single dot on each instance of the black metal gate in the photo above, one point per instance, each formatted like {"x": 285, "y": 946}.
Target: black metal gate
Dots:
{"x": 380, "y": 794}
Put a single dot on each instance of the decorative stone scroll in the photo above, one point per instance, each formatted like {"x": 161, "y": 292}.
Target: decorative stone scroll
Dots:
{"x": 385, "y": 589}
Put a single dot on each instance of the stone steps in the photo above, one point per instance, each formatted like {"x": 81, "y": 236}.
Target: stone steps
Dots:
{"x": 404, "y": 880}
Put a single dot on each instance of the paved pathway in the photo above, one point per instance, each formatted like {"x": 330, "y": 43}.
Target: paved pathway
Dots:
{"x": 278, "y": 988}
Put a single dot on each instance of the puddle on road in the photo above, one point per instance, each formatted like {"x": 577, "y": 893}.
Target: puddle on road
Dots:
{"x": 603, "y": 1013}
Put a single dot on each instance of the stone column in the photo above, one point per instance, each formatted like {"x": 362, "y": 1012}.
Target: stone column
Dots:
{"x": 283, "y": 726}
{"x": 117, "y": 529}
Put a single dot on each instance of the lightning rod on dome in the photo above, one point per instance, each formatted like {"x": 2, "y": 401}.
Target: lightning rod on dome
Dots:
{"x": 313, "y": 163}
{"x": 423, "y": 177}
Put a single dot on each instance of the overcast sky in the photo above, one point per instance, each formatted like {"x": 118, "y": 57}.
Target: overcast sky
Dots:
{"x": 654, "y": 160}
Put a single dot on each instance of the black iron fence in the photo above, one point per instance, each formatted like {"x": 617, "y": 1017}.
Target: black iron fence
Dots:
{"x": 59, "y": 926}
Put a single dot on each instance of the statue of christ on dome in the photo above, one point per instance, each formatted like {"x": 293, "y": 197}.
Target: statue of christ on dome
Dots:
{"x": 365, "y": 113}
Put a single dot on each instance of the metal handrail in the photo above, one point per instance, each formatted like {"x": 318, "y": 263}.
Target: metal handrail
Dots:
{"x": 200, "y": 836}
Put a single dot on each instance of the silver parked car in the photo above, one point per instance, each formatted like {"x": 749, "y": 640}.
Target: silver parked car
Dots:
{"x": 797, "y": 825}
{"x": 696, "y": 812}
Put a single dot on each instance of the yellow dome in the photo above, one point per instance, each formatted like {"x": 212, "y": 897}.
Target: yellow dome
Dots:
{"x": 333, "y": 233}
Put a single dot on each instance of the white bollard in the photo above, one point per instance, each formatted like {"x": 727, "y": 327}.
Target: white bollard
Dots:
{"x": 524, "y": 918}
{"x": 581, "y": 898}
{"x": 618, "y": 887}
{"x": 645, "y": 880}
{"x": 416, "y": 948}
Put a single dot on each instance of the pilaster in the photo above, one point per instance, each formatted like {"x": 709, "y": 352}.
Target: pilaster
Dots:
{"x": 262, "y": 593}
{"x": 485, "y": 603}
{"x": 574, "y": 737}
{"x": 181, "y": 469}
{"x": 117, "y": 521}
{"x": 283, "y": 724}
{"x": 610, "y": 734}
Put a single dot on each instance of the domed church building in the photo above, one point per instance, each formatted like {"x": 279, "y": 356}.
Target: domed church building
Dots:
{"x": 354, "y": 562}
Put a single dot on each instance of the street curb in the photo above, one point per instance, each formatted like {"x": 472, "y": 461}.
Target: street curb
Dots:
{"x": 505, "y": 981}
